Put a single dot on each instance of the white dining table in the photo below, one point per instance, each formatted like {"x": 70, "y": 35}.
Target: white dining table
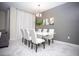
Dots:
{"x": 44, "y": 33}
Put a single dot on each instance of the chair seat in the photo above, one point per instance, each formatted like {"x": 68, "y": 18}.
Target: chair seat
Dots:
{"x": 29, "y": 39}
{"x": 39, "y": 40}
{"x": 39, "y": 36}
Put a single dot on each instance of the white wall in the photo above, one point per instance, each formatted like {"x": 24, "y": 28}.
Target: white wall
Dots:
{"x": 24, "y": 20}
{"x": 2, "y": 20}
{"x": 20, "y": 20}
{"x": 12, "y": 23}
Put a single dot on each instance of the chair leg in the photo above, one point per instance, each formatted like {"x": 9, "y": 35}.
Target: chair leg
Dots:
{"x": 45, "y": 40}
{"x": 52, "y": 40}
{"x": 31, "y": 45}
{"x": 28, "y": 43}
{"x": 36, "y": 47}
{"x": 22, "y": 40}
{"x": 38, "y": 44}
{"x": 44, "y": 45}
{"x": 49, "y": 42}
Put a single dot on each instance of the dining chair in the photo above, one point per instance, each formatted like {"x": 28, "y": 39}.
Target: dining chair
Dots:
{"x": 51, "y": 30}
{"x": 36, "y": 41}
{"x": 23, "y": 36}
{"x": 50, "y": 36}
{"x": 44, "y": 30}
{"x": 39, "y": 30}
{"x": 27, "y": 36}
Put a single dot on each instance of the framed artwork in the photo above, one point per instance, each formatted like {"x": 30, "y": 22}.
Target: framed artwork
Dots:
{"x": 51, "y": 21}
{"x": 44, "y": 21}
{"x": 47, "y": 21}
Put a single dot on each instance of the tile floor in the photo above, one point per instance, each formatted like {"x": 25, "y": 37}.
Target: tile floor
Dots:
{"x": 17, "y": 48}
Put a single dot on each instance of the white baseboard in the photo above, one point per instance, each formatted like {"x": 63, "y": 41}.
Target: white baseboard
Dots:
{"x": 66, "y": 43}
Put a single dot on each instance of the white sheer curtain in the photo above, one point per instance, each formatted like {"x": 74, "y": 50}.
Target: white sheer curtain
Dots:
{"x": 24, "y": 20}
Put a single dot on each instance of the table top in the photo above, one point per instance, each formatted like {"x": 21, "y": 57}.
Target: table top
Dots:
{"x": 44, "y": 33}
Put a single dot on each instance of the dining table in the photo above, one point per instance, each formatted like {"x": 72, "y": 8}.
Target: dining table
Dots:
{"x": 44, "y": 33}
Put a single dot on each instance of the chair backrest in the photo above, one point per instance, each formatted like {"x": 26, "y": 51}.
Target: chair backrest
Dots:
{"x": 39, "y": 30}
{"x": 51, "y": 31}
{"x": 47, "y": 30}
{"x": 44, "y": 30}
{"x": 27, "y": 34}
{"x": 52, "y": 35}
{"x": 33, "y": 35}
{"x": 22, "y": 31}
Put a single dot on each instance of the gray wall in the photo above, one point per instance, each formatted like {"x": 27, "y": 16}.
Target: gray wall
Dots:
{"x": 7, "y": 21}
{"x": 66, "y": 21}
{"x": 2, "y": 20}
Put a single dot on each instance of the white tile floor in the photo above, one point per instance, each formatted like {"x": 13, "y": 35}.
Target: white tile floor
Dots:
{"x": 16, "y": 48}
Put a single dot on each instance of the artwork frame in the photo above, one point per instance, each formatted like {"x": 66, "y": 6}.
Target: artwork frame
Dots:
{"x": 48, "y": 21}
{"x": 51, "y": 21}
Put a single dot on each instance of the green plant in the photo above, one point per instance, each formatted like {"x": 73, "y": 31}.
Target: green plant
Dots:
{"x": 39, "y": 22}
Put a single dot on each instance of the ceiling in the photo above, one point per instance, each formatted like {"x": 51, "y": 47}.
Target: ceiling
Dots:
{"x": 31, "y": 6}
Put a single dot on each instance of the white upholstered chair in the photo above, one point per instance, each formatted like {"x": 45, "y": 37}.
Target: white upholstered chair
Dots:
{"x": 39, "y": 30}
{"x": 44, "y": 30}
{"x": 51, "y": 30}
{"x": 27, "y": 36}
{"x": 23, "y": 36}
{"x": 36, "y": 40}
{"x": 50, "y": 36}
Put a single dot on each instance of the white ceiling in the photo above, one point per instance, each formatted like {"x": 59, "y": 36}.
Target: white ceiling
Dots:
{"x": 32, "y": 6}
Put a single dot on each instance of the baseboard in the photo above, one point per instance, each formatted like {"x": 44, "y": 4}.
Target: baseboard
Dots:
{"x": 66, "y": 43}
